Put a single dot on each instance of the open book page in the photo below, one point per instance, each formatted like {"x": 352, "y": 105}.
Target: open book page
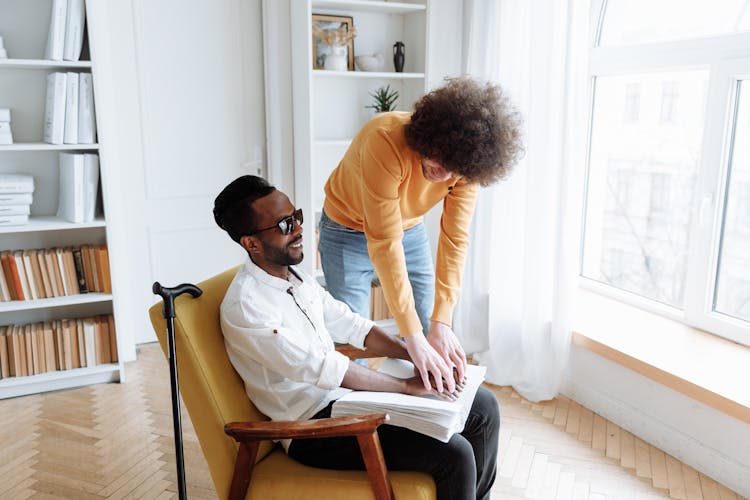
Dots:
{"x": 425, "y": 414}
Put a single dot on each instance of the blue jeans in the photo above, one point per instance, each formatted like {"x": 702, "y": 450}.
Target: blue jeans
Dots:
{"x": 464, "y": 468}
{"x": 349, "y": 270}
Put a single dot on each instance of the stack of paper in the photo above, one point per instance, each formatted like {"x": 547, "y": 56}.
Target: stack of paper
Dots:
{"x": 424, "y": 414}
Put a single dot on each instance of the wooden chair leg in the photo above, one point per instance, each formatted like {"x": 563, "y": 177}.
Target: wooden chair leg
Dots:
{"x": 372, "y": 454}
{"x": 243, "y": 470}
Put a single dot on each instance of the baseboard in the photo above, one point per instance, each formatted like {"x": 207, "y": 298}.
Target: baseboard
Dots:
{"x": 709, "y": 441}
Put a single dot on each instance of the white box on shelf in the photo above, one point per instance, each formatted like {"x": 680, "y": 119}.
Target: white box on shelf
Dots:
{"x": 4, "y": 114}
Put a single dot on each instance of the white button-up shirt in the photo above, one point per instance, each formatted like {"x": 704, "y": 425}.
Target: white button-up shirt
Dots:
{"x": 279, "y": 336}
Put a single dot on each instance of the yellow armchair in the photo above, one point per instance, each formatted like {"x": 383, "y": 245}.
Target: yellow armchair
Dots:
{"x": 214, "y": 396}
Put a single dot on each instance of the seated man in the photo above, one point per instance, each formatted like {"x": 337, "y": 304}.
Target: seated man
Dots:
{"x": 279, "y": 327}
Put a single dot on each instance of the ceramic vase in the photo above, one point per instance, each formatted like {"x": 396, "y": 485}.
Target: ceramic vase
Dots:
{"x": 399, "y": 56}
{"x": 336, "y": 60}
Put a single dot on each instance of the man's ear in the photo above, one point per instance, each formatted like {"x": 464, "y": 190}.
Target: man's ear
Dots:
{"x": 250, "y": 244}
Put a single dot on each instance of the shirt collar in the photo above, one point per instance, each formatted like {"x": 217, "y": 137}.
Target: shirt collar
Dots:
{"x": 272, "y": 281}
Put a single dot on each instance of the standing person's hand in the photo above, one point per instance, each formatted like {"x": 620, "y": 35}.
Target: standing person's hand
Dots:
{"x": 444, "y": 341}
{"x": 429, "y": 363}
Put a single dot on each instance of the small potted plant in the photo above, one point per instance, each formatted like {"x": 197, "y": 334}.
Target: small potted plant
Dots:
{"x": 383, "y": 99}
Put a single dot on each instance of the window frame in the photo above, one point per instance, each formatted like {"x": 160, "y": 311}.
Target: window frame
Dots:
{"x": 727, "y": 60}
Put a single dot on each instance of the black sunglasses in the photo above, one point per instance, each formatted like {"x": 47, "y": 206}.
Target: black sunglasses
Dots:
{"x": 285, "y": 225}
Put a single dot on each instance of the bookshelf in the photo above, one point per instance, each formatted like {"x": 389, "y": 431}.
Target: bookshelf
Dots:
{"x": 329, "y": 106}
{"x": 24, "y": 26}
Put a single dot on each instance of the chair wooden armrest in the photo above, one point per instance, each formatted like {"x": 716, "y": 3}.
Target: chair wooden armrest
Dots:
{"x": 363, "y": 427}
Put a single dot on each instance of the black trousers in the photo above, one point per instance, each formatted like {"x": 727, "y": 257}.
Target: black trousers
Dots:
{"x": 463, "y": 468}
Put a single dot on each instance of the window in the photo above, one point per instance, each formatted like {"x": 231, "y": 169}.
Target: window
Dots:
{"x": 667, "y": 209}
{"x": 669, "y": 95}
{"x": 632, "y": 102}
{"x": 642, "y": 21}
{"x": 733, "y": 282}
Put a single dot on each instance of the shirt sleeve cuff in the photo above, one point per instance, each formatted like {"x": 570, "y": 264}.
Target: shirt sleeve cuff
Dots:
{"x": 408, "y": 324}
{"x": 334, "y": 368}
{"x": 443, "y": 313}
{"x": 357, "y": 338}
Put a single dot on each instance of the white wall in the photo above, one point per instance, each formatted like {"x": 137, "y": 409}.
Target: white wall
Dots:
{"x": 710, "y": 441}
{"x": 182, "y": 113}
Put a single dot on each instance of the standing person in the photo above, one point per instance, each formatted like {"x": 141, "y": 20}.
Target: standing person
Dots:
{"x": 279, "y": 326}
{"x": 460, "y": 136}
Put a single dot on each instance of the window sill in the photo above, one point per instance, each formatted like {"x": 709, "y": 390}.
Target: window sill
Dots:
{"x": 700, "y": 365}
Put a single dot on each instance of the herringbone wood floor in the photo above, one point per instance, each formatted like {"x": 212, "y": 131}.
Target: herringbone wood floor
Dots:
{"x": 115, "y": 441}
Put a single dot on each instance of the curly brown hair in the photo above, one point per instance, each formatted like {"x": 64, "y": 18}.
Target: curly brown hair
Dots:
{"x": 470, "y": 128}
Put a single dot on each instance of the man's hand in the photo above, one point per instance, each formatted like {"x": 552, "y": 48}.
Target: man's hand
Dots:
{"x": 444, "y": 341}
{"x": 429, "y": 362}
{"x": 414, "y": 387}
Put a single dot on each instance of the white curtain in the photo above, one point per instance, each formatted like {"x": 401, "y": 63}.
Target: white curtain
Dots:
{"x": 514, "y": 311}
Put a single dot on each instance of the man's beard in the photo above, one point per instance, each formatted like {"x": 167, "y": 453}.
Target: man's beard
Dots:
{"x": 284, "y": 257}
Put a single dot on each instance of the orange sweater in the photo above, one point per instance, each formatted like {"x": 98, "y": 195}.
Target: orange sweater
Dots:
{"x": 378, "y": 188}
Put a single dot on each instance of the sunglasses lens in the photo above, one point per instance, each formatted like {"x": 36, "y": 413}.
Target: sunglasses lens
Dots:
{"x": 286, "y": 225}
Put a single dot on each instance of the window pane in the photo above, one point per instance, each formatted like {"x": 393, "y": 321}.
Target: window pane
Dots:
{"x": 643, "y": 21}
{"x": 645, "y": 147}
{"x": 733, "y": 285}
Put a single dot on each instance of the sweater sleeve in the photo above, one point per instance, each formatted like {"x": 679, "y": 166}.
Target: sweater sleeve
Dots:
{"x": 383, "y": 166}
{"x": 458, "y": 208}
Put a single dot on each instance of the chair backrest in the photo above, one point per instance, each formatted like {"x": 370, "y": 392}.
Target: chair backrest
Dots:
{"x": 213, "y": 392}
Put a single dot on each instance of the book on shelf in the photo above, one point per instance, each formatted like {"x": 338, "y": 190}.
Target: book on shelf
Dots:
{"x": 80, "y": 276}
{"x": 6, "y": 133}
{"x": 15, "y": 199}
{"x": 70, "y": 134}
{"x": 78, "y": 186}
{"x": 4, "y": 290}
{"x": 30, "y": 277}
{"x": 56, "y": 36}
{"x": 3, "y": 52}
{"x": 15, "y": 210}
{"x": 16, "y": 184}
{"x": 91, "y": 185}
{"x": 21, "y": 270}
{"x": 54, "y": 272}
{"x": 54, "y": 111}
{"x": 76, "y": 16}
{"x": 60, "y": 344}
{"x": 86, "y": 115}
{"x": 424, "y": 414}
{"x": 11, "y": 275}
{"x": 4, "y": 366}
{"x": 14, "y": 220}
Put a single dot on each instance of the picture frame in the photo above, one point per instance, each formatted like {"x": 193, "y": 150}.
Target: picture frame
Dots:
{"x": 320, "y": 49}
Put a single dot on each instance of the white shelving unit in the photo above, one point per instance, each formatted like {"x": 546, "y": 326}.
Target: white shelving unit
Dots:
{"x": 24, "y": 26}
{"x": 330, "y": 106}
